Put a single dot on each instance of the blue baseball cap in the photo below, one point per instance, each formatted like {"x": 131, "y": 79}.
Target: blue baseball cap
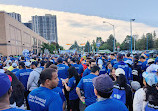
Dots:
{"x": 147, "y": 55}
{"x": 5, "y": 83}
{"x": 150, "y": 78}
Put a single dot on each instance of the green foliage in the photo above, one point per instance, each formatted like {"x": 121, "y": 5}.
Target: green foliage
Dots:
{"x": 108, "y": 44}
{"x": 87, "y": 47}
{"x": 51, "y": 47}
{"x": 74, "y": 46}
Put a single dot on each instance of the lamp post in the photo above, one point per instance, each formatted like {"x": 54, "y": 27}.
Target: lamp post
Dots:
{"x": 113, "y": 35}
{"x": 131, "y": 32}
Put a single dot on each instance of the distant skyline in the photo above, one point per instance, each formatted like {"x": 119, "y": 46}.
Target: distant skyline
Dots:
{"x": 144, "y": 11}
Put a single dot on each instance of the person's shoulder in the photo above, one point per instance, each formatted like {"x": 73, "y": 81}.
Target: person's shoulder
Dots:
{"x": 15, "y": 109}
{"x": 118, "y": 104}
{"x": 92, "y": 107}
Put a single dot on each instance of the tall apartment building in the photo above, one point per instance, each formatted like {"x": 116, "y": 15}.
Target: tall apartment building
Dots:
{"x": 15, "y": 16}
{"x": 46, "y": 26}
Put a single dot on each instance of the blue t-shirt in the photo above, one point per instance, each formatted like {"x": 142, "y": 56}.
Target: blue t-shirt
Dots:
{"x": 76, "y": 67}
{"x": 124, "y": 66}
{"x": 113, "y": 62}
{"x": 86, "y": 72}
{"x": 144, "y": 65}
{"x": 102, "y": 70}
{"x": 107, "y": 105}
{"x": 60, "y": 84}
{"x": 14, "y": 109}
{"x": 88, "y": 88}
{"x": 23, "y": 75}
{"x": 80, "y": 71}
{"x": 62, "y": 71}
{"x": 44, "y": 99}
{"x": 15, "y": 70}
{"x": 60, "y": 92}
{"x": 72, "y": 84}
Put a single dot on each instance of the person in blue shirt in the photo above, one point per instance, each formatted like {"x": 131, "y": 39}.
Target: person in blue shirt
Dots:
{"x": 14, "y": 65}
{"x": 5, "y": 93}
{"x": 42, "y": 63}
{"x": 62, "y": 69}
{"x": 144, "y": 63}
{"x": 71, "y": 87}
{"x": 123, "y": 65}
{"x": 60, "y": 88}
{"x": 92, "y": 63}
{"x": 113, "y": 59}
{"x": 87, "y": 86}
{"x": 73, "y": 63}
{"x": 103, "y": 88}
{"x": 108, "y": 67}
{"x": 128, "y": 57}
{"x": 102, "y": 70}
{"x": 28, "y": 70}
{"x": 122, "y": 90}
{"x": 156, "y": 60}
{"x": 43, "y": 98}
{"x": 22, "y": 74}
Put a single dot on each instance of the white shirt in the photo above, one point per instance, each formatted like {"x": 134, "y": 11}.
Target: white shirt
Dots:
{"x": 139, "y": 102}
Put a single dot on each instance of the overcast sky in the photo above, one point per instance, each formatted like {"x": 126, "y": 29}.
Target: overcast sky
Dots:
{"x": 144, "y": 11}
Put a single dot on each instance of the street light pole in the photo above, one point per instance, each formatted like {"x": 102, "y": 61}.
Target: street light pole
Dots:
{"x": 131, "y": 32}
{"x": 113, "y": 35}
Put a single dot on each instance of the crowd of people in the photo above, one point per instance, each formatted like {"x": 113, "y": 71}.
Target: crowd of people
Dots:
{"x": 64, "y": 82}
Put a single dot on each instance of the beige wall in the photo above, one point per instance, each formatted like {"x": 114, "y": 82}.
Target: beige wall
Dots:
{"x": 15, "y": 37}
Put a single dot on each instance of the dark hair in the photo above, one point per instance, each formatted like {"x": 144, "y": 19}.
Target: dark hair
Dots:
{"x": 104, "y": 95}
{"x": 151, "y": 62}
{"x": 48, "y": 64}
{"x": 128, "y": 55}
{"x": 22, "y": 64}
{"x": 53, "y": 66}
{"x": 73, "y": 73}
{"x": 73, "y": 59}
{"x": 22, "y": 58}
{"x": 46, "y": 74}
{"x": 35, "y": 63}
{"x": 121, "y": 80}
{"x": 107, "y": 64}
{"x": 95, "y": 68}
{"x": 152, "y": 95}
{"x": 42, "y": 63}
{"x": 91, "y": 60}
{"x": 18, "y": 90}
{"x": 142, "y": 57}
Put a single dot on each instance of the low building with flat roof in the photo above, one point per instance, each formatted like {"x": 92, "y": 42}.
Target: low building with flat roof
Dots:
{"x": 15, "y": 37}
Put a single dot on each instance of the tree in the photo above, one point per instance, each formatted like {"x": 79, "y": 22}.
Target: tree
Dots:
{"x": 141, "y": 43}
{"x": 74, "y": 46}
{"x": 149, "y": 36}
{"x": 94, "y": 45}
{"x": 87, "y": 47}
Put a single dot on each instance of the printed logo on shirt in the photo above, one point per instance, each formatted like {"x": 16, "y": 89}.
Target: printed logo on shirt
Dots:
{"x": 25, "y": 74}
{"x": 37, "y": 100}
{"x": 61, "y": 68}
{"x": 87, "y": 80}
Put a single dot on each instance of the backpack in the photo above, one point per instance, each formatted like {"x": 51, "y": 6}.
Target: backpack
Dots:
{"x": 150, "y": 107}
{"x": 119, "y": 93}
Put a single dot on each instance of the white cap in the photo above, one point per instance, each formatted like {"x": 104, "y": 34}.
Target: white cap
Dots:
{"x": 27, "y": 64}
{"x": 119, "y": 71}
{"x": 150, "y": 60}
{"x": 135, "y": 72}
{"x": 14, "y": 64}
